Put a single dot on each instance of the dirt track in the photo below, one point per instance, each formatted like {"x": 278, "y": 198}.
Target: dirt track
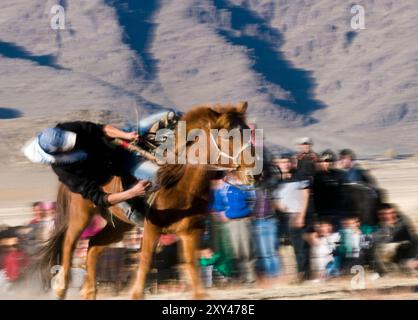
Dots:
{"x": 396, "y": 288}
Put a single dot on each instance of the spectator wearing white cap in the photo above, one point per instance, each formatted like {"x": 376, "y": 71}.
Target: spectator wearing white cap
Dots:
{"x": 306, "y": 158}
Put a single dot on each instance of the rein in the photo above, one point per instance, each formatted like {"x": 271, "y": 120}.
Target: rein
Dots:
{"x": 138, "y": 151}
{"x": 134, "y": 149}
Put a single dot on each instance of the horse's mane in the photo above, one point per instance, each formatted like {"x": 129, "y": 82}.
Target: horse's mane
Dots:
{"x": 169, "y": 174}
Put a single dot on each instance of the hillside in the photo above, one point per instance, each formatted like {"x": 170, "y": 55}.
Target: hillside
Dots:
{"x": 302, "y": 68}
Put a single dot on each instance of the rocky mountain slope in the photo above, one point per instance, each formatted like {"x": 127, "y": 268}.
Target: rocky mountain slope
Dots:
{"x": 299, "y": 63}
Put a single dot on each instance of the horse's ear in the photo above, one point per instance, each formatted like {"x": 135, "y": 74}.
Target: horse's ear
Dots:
{"x": 242, "y": 107}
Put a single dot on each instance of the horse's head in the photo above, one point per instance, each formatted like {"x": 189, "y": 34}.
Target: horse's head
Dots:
{"x": 222, "y": 136}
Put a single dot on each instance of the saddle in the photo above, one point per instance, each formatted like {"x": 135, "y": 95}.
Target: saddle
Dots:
{"x": 147, "y": 143}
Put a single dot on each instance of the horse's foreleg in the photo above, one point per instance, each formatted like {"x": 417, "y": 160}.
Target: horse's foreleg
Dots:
{"x": 149, "y": 241}
{"x": 76, "y": 225}
{"x": 89, "y": 291}
{"x": 190, "y": 242}
{"x": 97, "y": 244}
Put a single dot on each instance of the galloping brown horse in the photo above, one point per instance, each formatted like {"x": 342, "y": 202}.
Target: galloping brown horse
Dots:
{"x": 180, "y": 207}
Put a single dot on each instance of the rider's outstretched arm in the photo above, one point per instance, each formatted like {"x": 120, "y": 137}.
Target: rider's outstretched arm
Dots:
{"x": 113, "y": 132}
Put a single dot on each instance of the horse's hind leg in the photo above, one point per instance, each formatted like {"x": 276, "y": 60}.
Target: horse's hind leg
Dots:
{"x": 190, "y": 240}
{"x": 149, "y": 241}
{"x": 109, "y": 234}
{"x": 79, "y": 218}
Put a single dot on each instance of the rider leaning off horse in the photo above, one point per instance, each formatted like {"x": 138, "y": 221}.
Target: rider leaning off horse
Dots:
{"x": 84, "y": 157}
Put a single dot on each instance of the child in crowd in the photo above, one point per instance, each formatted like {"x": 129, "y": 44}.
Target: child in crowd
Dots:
{"x": 323, "y": 244}
{"x": 212, "y": 264}
{"x": 353, "y": 243}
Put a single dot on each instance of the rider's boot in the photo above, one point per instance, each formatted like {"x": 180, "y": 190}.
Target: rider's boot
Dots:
{"x": 132, "y": 213}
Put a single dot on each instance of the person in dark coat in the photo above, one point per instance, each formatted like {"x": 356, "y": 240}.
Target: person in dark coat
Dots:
{"x": 83, "y": 157}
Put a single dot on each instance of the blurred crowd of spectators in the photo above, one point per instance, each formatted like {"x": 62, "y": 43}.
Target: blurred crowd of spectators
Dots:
{"x": 19, "y": 244}
{"x": 325, "y": 207}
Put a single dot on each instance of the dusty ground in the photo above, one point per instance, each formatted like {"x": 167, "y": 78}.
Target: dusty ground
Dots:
{"x": 395, "y": 287}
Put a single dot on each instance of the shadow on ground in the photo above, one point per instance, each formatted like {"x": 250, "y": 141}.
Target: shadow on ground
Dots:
{"x": 8, "y": 113}
{"x": 14, "y": 51}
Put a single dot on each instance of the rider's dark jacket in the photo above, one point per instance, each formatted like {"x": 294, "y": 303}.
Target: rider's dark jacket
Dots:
{"x": 103, "y": 161}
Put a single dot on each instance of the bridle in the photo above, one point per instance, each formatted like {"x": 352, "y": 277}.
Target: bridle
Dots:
{"x": 224, "y": 154}
{"x": 221, "y": 153}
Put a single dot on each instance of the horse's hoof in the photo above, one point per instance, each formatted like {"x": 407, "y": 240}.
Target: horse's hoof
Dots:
{"x": 87, "y": 294}
{"x": 60, "y": 294}
{"x": 200, "y": 296}
{"x": 137, "y": 296}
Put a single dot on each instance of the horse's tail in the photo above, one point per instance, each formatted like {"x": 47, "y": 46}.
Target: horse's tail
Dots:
{"x": 50, "y": 252}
